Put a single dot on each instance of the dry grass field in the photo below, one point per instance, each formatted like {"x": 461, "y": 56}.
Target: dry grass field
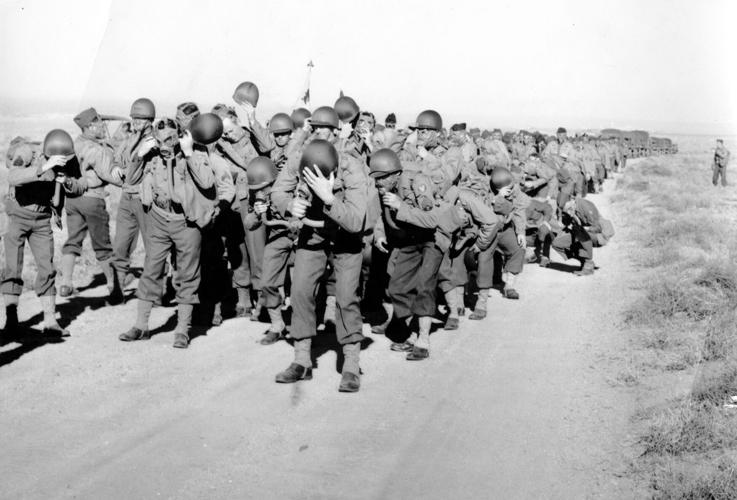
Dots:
{"x": 683, "y": 241}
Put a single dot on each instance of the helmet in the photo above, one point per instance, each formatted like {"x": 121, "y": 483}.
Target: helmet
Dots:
{"x": 325, "y": 116}
{"x": 384, "y": 162}
{"x": 501, "y": 177}
{"x": 143, "y": 108}
{"x": 58, "y": 142}
{"x": 429, "y": 119}
{"x": 320, "y": 153}
{"x": 346, "y": 108}
{"x": 246, "y": 91}
{"x": 280, "y": 123}
{"x": 261, "y": 172}
{"x": 206, "y": 128}
{"x": 299, "y": 115}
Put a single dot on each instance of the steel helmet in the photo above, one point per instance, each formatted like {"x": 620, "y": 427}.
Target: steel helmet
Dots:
{"x": 261, "y": 172}
{"x": 346, "y": 108}
{"x": 325, "y": 116}
{"x": 384, "y": 162}
{"x": 143, "y": 108}
{"x": 206, "y": 128}
{"x": 281, "y": 123}
{"x": 299, "y": 116}
{"x": 429, "y": 119}
{"x": 58, "y": 142}
{"x": 246, "y": 91}
{"x": 320, "y": 153}
{"x": 501, "y": 177}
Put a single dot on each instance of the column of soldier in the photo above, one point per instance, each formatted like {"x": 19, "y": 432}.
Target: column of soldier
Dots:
{"x": 328, "y": 215}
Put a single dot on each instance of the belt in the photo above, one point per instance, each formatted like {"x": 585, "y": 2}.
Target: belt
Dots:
{"x": 166, "y": 214}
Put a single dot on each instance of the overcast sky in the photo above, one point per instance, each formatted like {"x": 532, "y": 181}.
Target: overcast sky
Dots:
{"x": 666, "y": 65}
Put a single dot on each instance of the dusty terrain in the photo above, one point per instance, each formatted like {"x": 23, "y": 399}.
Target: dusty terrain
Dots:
{"x": 525, "y": 404}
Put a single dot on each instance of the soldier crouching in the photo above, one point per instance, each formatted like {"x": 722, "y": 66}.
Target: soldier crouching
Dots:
{"x": 179, "y": 196}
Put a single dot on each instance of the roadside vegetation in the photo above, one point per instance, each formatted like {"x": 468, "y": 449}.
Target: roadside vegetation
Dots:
{"x": 682, "y": 238}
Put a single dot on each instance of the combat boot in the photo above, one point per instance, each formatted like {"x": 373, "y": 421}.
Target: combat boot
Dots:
{"x": 351, "y": 379}
{"x": 184, "y": 323}
{"x": 586, "y": 270}
{"x": 134, "y": 334}
{"x": 301, "y": 368}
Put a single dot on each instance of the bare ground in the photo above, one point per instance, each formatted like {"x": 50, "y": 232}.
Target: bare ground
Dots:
{"x": 530, "y": 403}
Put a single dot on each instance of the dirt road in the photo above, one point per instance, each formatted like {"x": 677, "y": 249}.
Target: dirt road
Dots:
{"x": 521, "y": 405}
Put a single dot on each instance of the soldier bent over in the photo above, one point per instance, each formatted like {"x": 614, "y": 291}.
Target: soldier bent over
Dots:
{"x": 37, "y": 188}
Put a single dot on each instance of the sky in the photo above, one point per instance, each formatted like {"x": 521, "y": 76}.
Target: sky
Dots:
{"x": 657, "y": 65}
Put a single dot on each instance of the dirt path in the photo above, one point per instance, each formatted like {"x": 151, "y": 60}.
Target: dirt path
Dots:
{"x": 521, "y": 405}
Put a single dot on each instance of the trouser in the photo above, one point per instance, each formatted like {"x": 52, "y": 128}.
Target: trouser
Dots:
{"x": 514, "y": 257}
{"x": 129, "y": 221}
{"x": 279, "y": 248}
{"x": 540, "y": 238}
{"x": 453, "y": 272}
{"x": 413, "y": 280}
{"x": 255, "y": 245}
{"x": 166, "y": 234}
{"x": 377, "y": 280}
{"x": 566, "y": 192}
{"x": 574, "y": 243}
{"x": 311, "y": 258}
{"x": 719, "y": 172}
{"x": 223, "y": 245}
{"x": 36, "y": 228}
{"x": 88, "y": 214}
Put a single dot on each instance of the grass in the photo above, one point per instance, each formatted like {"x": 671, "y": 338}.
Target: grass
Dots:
{"x": 682, "y": 243}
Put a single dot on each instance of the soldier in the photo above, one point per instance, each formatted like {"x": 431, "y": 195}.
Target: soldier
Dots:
{"x": 130, "y": 219}
{"x": 418, "y": 225}
{"x": 721, "y": 159}
{"x": 459, "y": 138}
{"x": 88, "y": 212}
{"x": 281, "y": 127}
{"x": 592, "y": 165}
{"x": 179, "y": 196}
{"x": 37, "y": 189}
{"x": 496, "y": 152}
{"x": 390, "y": 121}
{"x": 510, "y": 203}
{"x": 560, "y": 146}
{"x": 334, "y": 213}
{"x": 540, "y": 180}
{"x": 580, "y": 220}
{"x": 540, "y": 222}
{"x": 240, "y": 144}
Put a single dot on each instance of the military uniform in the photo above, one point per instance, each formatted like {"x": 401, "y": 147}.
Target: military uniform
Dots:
{"x": 29, "y": 209}
{"x": 540, "y": 218}
{"x": 179, "y": 196}
{"x": 253, "y": 143}
{"x": 580, "y": 221}
{"x": 130, "y": 219}
{"x": 88, "y": 212}
{"x": 721, "y": 159}
{"x": 339, "y": 242}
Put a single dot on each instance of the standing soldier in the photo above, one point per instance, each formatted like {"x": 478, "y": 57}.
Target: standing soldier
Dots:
{"x": 281, "y": 127}
{"x": 88, "y": 211}
{"x": 238, "y": 146}
{"x": 179, "y": 197}
{"x": 721, "y": 159}
{"x": 37, "y": 188}
{"x": 130, "y": 219}
{"x": 334, "y": 213}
